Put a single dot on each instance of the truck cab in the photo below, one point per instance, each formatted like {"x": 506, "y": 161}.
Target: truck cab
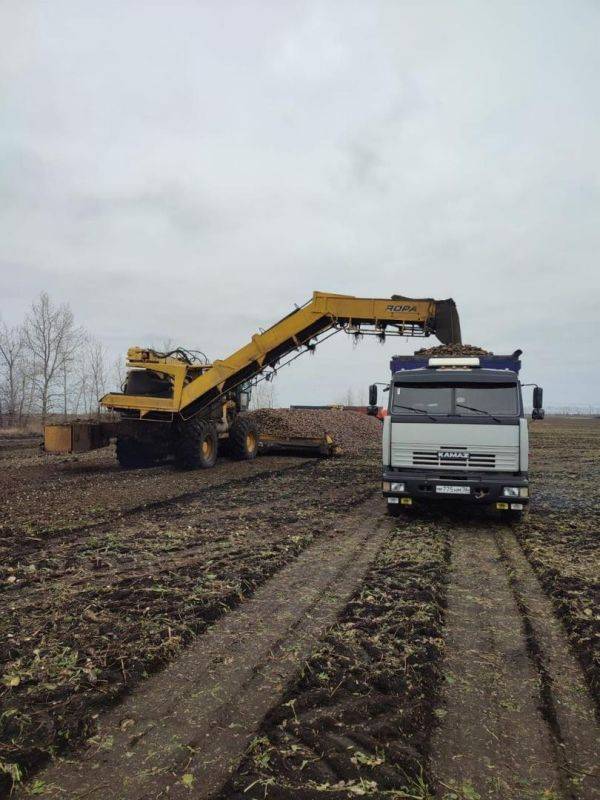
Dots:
{"x": 456, "y": 429}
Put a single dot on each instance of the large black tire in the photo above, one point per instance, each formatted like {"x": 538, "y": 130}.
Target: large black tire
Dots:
{"x": 394, "y": 509}
{"x": 196, "y": 445}
{"x": 133, "y": 454}
{"x": 243, "y": 439}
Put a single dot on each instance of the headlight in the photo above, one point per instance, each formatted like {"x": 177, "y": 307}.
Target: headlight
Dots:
{"x": 397, "y": 487}
{"x": 515, "y": 491}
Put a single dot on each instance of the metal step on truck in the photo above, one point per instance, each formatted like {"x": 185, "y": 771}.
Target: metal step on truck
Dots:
{"x": 456, "y": 429}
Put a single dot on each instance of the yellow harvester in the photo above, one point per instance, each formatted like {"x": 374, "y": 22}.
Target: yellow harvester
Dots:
{"x": 175, "y": 404}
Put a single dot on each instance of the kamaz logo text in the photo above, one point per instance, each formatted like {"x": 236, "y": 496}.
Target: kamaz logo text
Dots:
{"x": 452, "y": 455}
{"x": 400, "y": 309}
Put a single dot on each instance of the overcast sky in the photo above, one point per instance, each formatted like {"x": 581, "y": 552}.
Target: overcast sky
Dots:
{"x": 189, "y": 170}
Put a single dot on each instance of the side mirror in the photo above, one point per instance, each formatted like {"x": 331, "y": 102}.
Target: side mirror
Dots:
{"x": 538, "y": 402}
{"x": 373, "y": 395}
{"x": 372, "y": 407}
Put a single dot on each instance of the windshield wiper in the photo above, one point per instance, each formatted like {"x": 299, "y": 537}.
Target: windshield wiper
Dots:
{"x": 480, "y": 410}
{"x": 418, "y": 410}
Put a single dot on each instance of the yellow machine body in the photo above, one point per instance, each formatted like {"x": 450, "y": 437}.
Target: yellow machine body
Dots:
{"x": 170, "y": 400}
{"x": 194, "y": 384}
{"x": 77, "y": 437}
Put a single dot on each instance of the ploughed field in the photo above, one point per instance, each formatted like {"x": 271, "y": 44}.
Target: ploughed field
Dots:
{"x": 106, "y": 576}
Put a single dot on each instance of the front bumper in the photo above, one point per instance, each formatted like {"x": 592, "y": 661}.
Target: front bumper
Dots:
{"x": 485, "y": 488}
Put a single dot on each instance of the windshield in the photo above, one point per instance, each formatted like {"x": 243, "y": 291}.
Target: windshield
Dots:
{"x": 463, "y": 400}
{"x": 432, "y": 399}
{"x": 497, "y": 400}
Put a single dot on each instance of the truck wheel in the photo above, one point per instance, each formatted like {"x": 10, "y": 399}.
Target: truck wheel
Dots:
{"x": 132, "y": 454}
{"x": 243, "y": 440}
{"x": 197, "y": 445}
{"x": 394, "y": 509}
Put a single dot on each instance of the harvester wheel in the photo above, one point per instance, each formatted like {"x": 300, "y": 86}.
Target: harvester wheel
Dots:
{"x": 243, "y": 440}
{"x": 197, "y": 445}
{"x": 132, "y": 454}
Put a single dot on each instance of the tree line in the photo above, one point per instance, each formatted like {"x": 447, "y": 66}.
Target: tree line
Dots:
{"x": 51, "y": 365}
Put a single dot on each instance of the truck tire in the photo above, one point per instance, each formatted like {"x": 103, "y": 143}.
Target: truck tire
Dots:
{"x": 394, "y": 509}
{"x": 243, "y": 440}
{"x": 133, "y": 454}
{"x": 196, "y": 445}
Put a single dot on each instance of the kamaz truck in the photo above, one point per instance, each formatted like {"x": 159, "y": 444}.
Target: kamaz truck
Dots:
{"x": 456, "y": 430}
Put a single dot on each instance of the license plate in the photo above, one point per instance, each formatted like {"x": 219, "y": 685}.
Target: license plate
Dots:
{"x": 453, "y": 489}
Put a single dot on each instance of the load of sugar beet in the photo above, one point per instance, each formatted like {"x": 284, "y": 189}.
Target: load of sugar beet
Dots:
{"x": 352, "y": 431}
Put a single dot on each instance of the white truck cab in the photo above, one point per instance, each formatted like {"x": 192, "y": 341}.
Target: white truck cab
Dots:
{"x": 456, "y": 429}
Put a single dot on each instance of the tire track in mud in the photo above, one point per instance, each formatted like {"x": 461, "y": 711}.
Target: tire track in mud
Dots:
{"x": 146, "y": 517}
{"x": 518, "y": 723}
{"x": 102, "y": 613}
{"x": 187, "y": 727}
{"x": 117, "y": 515}
{"x": 356, "y": 720}
{"x": 564, "y": 699}
{"x": 56, "y": 536}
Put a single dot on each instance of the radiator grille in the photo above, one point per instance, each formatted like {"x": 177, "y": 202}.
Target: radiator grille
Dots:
{"x": 500, "y": 458}
{"x": 432, "y": 458}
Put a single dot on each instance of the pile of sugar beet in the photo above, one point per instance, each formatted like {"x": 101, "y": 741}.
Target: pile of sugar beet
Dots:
{"x": 352, "y": 431}
{"x": 450, "y": 350}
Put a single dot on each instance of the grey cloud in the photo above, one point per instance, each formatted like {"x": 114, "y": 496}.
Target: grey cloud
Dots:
{"x": 189, "y": 171}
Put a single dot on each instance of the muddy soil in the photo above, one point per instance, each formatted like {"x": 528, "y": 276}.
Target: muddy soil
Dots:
{"x": 86, "y": 614}
{"x": 188, "y": 726}
{"x": 538, "y": 737}
{"x": 517, "y": 722}
{"x": 17, "y": 443}
{"x": 91, "y": 611}
{"x": 44, "y": 494}
{"x": 356, "y": 721}
{"x": 562, "y": 535}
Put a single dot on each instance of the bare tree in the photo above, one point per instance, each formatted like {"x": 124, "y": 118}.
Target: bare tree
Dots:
{"x": 80, "y": 393}
{"x": 12, "y": 371}
{"x": 352, "y": 396}
{"x": 118, "y": 374}
{"x": 346, "y": 399}
{"x": 51, "y": 341}
{"x": 96, "y": 363}
{"x": 92, "y": 377}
